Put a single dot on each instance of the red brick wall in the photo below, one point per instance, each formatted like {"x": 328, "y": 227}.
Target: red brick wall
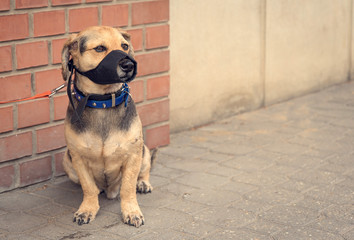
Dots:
{"x": 32, "y": 33}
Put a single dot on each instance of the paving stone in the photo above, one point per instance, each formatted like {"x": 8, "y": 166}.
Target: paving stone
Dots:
{"x": 168, "y": 173}
{"x": 331, "y": 225}
{"x": 296, "y": 233}
{"x": 60, "y": 231}
{"x": 202, "y": 180}
{"x": 170, "y": 234}
{"x": 250, "y": 206}
{"x": 316, "y": 176}
{"x": 225, "y": 216}
{"x": 343, "y": 212}
{"x": 337, "y": 194}
{"x": 271, "y": 196}
{"x": 197, "y": 228}
{"x": 156, "y": 198}
{"x": 264, "y": 227}
{"x": 213, "y": 197}
{"x": 349, "y": 235}
{"x": 313, "y": 204}
{"x": 17, "y": 236}
{"x": 248, "y": 163}
{"x": 238, "y": 187}
{"x": 186, "y": 152}
{"x": 223, "y": 171}
{"x": 14, "y": 201}
{"x": 216, "y": 157}
{"x": 18, "y": 222}
{"x": 177, "y": 189}
{"x": 237, "y": 234}
{"x": 164, "y": 218}
{"x": 260, "y": 178}
{"x": 289, "y": 215}
{"x": 187, "y": 206}
{"x": 50, "y": 210}
{"x": 193, "y": 165}
{"x": 157, "y": 181}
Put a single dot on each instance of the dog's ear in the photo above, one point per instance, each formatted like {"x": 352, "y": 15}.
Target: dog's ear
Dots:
{"x": 70, "y": 44}
{"x": 124, "y": 34}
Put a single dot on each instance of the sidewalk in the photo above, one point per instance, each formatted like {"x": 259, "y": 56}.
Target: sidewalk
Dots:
{"x": 284, "y": 172}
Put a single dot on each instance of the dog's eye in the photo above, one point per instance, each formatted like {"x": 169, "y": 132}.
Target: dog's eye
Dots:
{"x": 100, "y": 48}
{"x": 125, "y": 46}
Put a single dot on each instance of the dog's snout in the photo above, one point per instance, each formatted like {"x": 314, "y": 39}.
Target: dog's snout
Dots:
{"x": 126, "y": 65}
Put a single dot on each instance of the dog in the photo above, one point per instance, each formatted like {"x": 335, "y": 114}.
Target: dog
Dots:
{"x": 105, "y": 147}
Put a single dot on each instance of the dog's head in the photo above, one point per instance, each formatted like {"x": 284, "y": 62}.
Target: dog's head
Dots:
{"x": 89, "y": 47}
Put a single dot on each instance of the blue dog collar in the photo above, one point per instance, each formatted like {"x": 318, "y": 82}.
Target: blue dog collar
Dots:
{"x": 107, "y": 100}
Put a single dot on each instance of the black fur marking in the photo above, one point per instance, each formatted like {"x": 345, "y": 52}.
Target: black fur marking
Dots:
{"x": 143, "y": 150}
{"x": 83, "y": 41}
{"x": 102, "y": 121}
{"x": 69, "y": 156}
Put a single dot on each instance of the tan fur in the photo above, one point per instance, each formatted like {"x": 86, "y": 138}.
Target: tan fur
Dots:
{"x": 115, "y": 161}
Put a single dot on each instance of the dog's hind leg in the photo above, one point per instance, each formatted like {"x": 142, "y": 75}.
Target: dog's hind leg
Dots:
{"x": 143, "y": 184}
{"x": 68, "y": 167}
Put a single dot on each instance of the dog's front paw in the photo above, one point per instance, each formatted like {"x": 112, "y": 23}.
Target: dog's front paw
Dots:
{"x": 143, "y": 187}
{"x": 135, "y": 219}
{"x": 82, "y": 217}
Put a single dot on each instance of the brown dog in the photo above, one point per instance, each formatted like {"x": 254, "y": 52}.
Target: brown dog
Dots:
{"x": 105, "y": 148}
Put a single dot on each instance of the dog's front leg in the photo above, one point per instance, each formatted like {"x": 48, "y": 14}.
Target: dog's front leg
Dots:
{"x": 130, "y": 209}
{"x": 89, "y": 206}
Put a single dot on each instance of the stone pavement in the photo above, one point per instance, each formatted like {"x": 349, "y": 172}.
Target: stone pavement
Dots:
{"x": 283, "y": 172}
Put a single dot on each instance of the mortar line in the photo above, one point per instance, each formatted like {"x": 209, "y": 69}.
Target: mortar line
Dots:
{"x": 350, "y": 42}
{"x": 263, "y": 26}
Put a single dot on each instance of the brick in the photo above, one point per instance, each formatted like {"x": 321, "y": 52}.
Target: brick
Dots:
{"x": 136, "y": 38}
{"x": 4, "y": 5}
{"x": 155, "y": 62}
{"x": 33, "y": 113}
{"x": 158, "y": 87}
{"x": 50, "y": 138}
{"x": 115, "y": 15}
{"x": 35, "y": 171}
{"x": 137, "y": 90}
{"x": 150, "y": 12}
{"x": 60, "y": 106}
{"x": 57, "y": 46}
{"x": 6, "y": 119}
{"x": 49, "y": 23}
{"x": 15, "y": 146}
{"x": 32, "y": 54}
{"x": 58, "y": 159}
{"x": 65, "y": 2}
{"x": 48, "y": 80}
{"x": 157, "y": 36}
{"x": 82, "y": 18}
{"x": 15, "y": 87}
{"x": 154, "y": 112}
{"x": 14, "y": 27}
{"x": 6, "y": 59}
{"x": 158, "y": 136}
{"x": 93, "y": 1}
{"x": 7, "y": 177}
{"x": 20, "y": 4}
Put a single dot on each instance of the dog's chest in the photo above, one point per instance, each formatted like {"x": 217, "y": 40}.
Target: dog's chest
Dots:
{"x": 115, "y": 145}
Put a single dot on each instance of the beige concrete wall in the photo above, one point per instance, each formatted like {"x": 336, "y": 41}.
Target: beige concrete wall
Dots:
{"x": 307, "y": 46}
{"x": 237, "y": 55}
